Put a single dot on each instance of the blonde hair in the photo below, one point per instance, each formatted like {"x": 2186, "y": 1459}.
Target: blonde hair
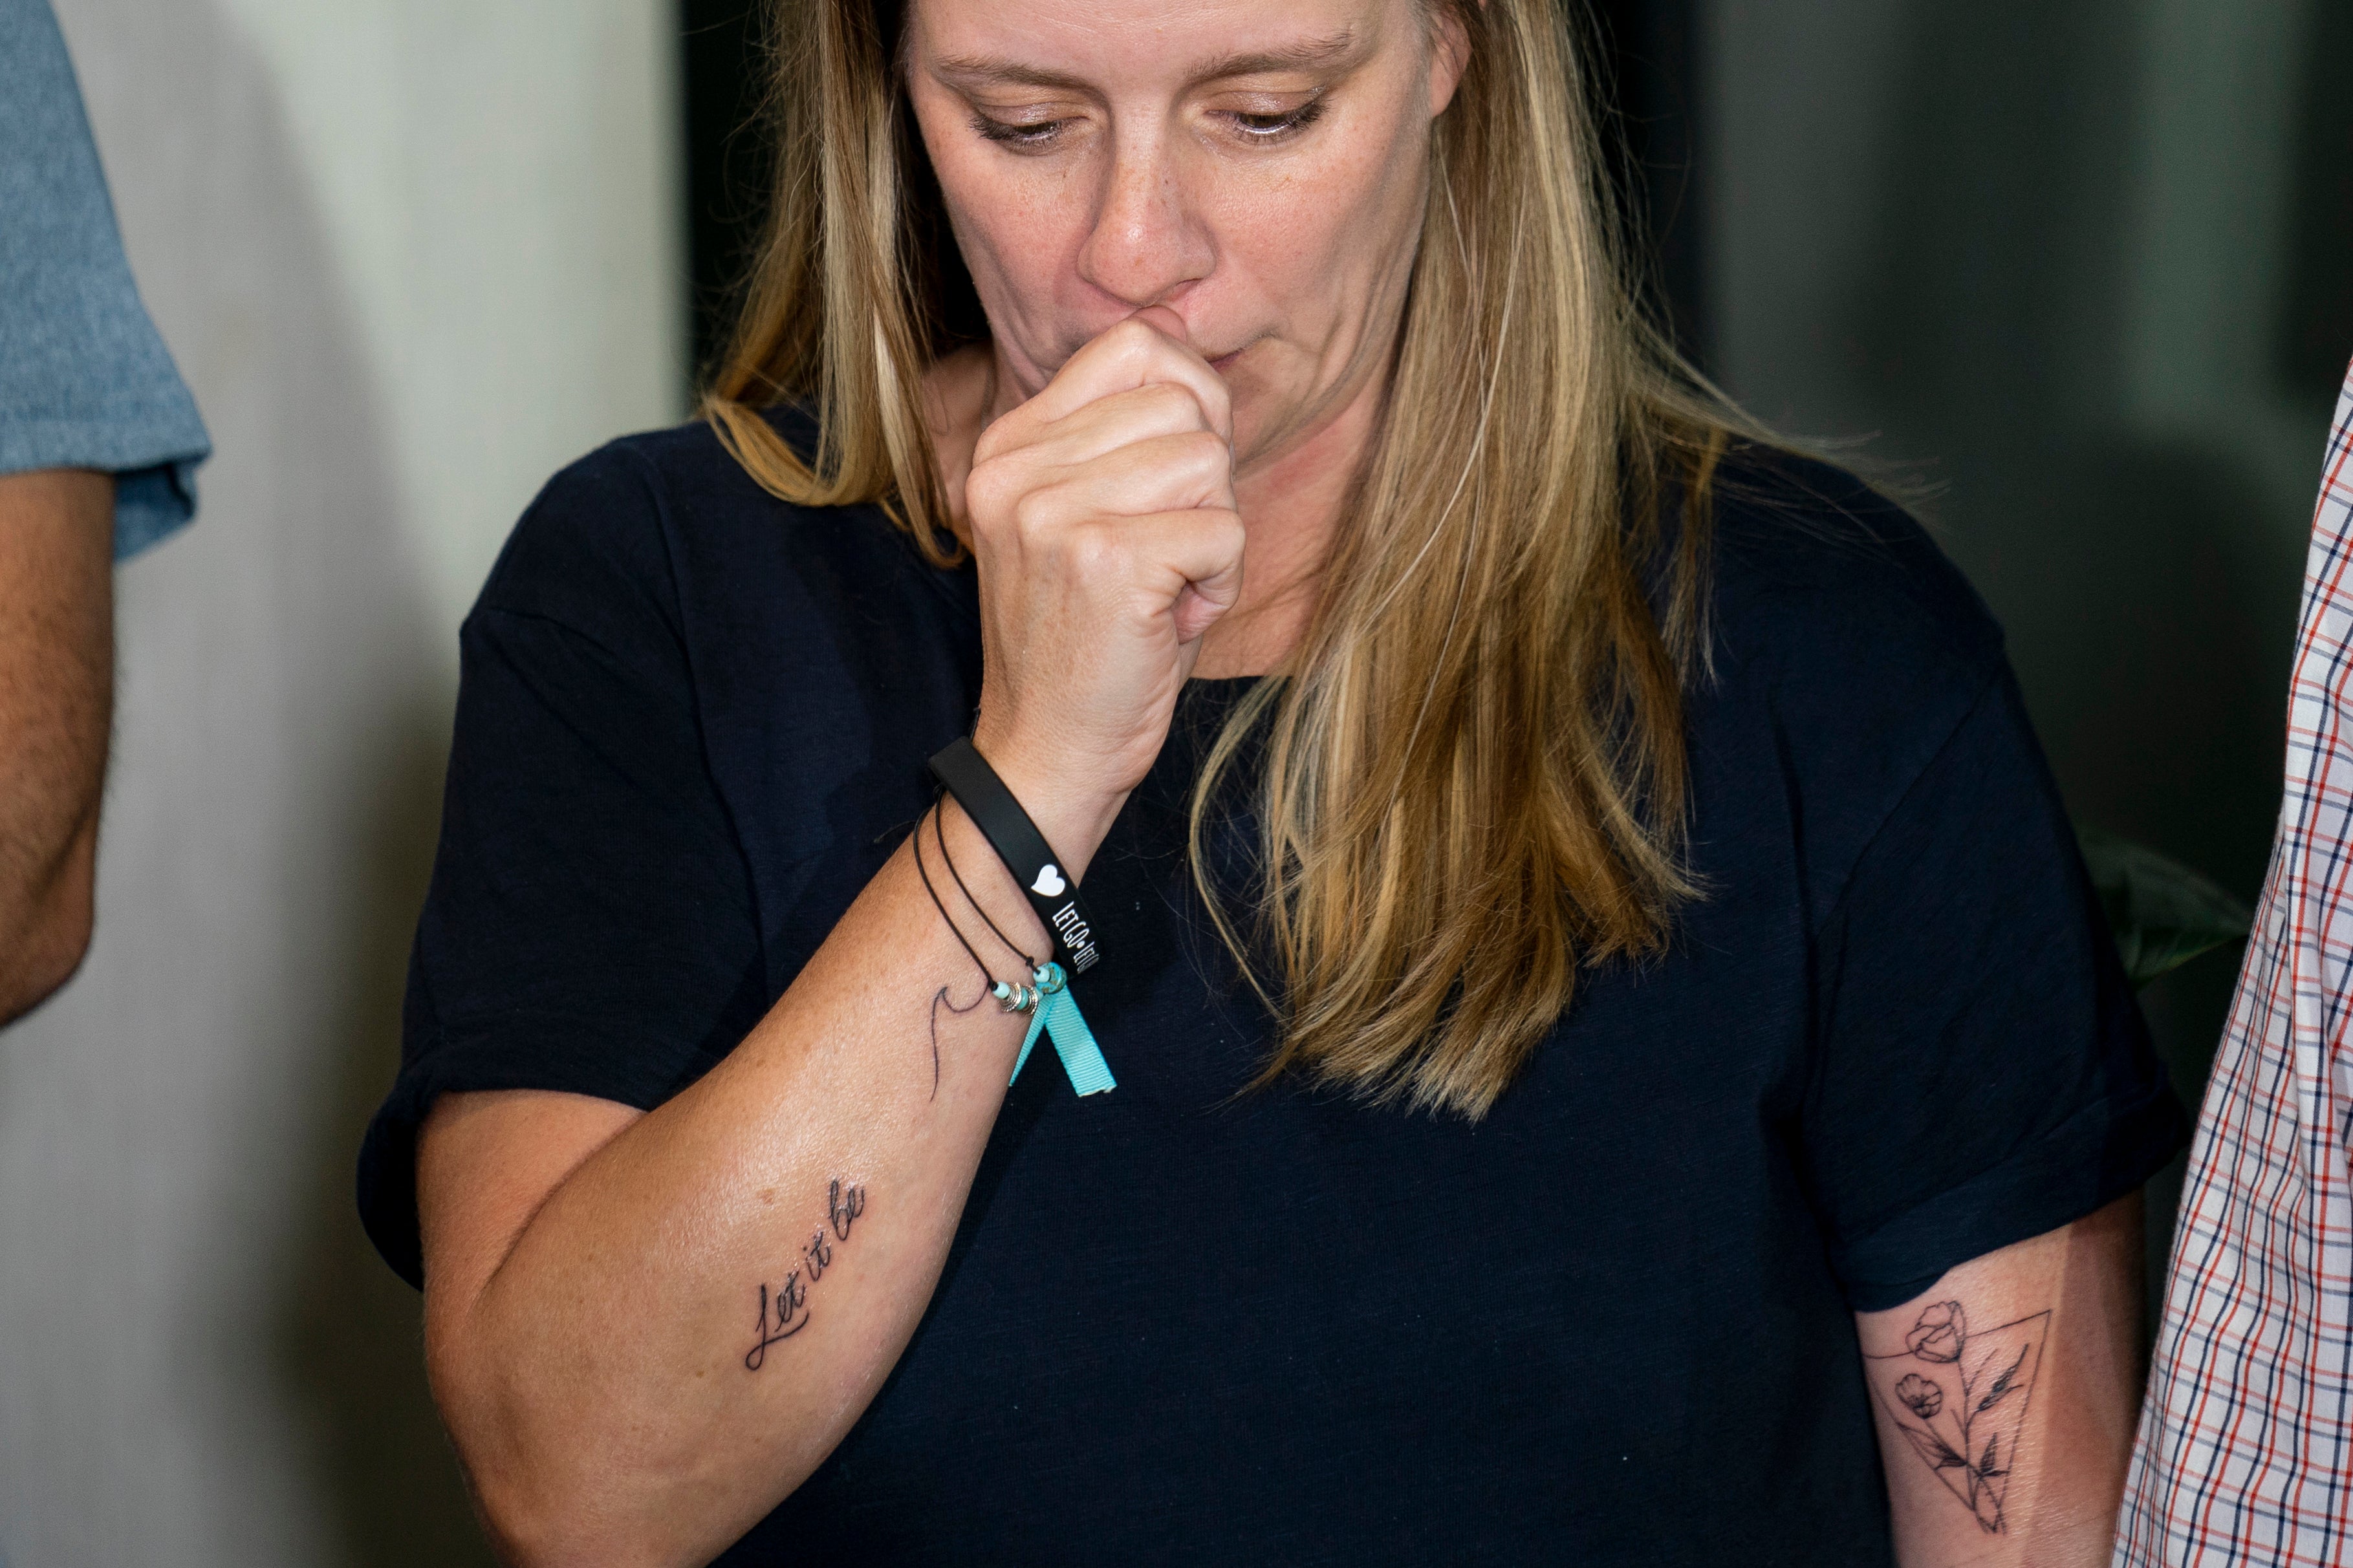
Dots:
{"x": 1473, "y": 774}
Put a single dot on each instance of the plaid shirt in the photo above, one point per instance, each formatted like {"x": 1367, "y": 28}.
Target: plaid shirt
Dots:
{"x": 2246, "y": 1441}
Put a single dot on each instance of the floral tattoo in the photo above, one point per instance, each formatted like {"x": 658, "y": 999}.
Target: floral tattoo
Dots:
{"x": 1959, "y": 1399}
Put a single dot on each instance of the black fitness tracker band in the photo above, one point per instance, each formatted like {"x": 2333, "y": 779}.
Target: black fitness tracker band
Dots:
{"x": 1053, "y": 893}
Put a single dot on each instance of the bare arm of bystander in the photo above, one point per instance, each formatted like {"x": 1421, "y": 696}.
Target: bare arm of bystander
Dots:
{"x": 57, "y": 674}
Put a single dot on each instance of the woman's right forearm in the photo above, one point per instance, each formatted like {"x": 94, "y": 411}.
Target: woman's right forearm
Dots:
{"x": 638, "y": 1367}
{"x": 697, "y": 1314}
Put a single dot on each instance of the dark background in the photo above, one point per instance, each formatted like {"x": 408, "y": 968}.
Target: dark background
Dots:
{"x": 727, "y": 159}
{"x": 1985, "y": 248}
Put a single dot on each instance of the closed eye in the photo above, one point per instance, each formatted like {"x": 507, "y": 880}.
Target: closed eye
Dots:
{"x": 1257, "y": 130}
{"x": 1028, "y": 137}
{"x": 1268, "y": 128}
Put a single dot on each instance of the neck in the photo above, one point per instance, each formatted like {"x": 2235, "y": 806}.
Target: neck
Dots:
{"x": 1291, "y": 500}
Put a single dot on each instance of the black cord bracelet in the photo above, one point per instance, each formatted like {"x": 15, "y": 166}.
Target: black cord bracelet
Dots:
{"x": 955, "y": 930}
{"x": 1043, "y": 987}
{"x": 940, "y": 836}
{"x": 1052, "y": 892}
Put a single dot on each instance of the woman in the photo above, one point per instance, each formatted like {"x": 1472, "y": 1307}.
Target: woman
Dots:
{"x": 1611, "y": 1040}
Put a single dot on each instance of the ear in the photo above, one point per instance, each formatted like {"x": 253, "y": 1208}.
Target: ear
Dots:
{"x": 1450, "y": 52}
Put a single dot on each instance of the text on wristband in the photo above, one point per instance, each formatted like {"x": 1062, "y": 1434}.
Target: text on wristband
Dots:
{"x": 1078, "y": 937}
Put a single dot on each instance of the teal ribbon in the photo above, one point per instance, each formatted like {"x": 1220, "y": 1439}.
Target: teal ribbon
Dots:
{"x": 1057, "y": 1016}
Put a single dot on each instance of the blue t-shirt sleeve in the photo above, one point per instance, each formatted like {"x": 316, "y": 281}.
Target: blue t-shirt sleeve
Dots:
{"x": 85, "y": 379}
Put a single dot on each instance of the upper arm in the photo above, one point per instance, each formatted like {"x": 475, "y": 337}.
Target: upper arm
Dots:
{"x": 2004, "y": 1397}
{"x": 486, "y": 1161}
{"x": 591, "y": 926}
{"x": 1982, "y": 1071}
{"x": 57, "y": 670}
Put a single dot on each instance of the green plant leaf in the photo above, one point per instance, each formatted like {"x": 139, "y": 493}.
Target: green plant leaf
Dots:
{"x": 2163, "y": 913}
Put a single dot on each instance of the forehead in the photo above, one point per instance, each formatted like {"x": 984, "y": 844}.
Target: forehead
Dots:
{"x": 1100, "y": 42}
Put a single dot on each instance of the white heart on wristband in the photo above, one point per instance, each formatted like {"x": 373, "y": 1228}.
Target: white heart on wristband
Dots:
{"x": 1050, "y": 883}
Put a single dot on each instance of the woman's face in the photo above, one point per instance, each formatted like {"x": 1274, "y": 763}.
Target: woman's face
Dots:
{"x": 1256, "y": 166}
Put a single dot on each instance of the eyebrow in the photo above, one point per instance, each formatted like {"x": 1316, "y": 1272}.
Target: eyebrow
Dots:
{"x": 987, "y": 70}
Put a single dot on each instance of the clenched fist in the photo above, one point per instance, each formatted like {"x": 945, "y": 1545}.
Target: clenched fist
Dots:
{"x": 1103, "y": 519}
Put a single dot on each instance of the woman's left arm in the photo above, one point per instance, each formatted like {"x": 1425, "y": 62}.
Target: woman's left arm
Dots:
{"x": 2005, "y": 1396}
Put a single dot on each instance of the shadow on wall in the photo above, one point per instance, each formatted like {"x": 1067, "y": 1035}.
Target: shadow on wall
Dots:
{"x": 367, "y": 723}
{"x": 2149, "y": 586}
{"x": 371, "y": 715}
{"x": 2150, "y": 601}
{"x": 364, "y": 736}
{"x": 349, "y": 1335}
{"x": 190, "y": 1299}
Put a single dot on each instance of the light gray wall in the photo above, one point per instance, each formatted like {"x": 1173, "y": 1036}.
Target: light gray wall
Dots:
{"x": 2037, "y": 252}
{"x": 412, "y": 255}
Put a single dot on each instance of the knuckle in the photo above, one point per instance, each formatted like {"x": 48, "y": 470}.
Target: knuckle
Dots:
{"x": 1224, "y": 530}
{"x": 1169, "y": 402}
{"x": 1146, "y": 349}
{"x": 1131, "y": 336}
{"x": 1204, "y": 449}
{"x": 988, "y": 492}
{"x": 1000, "y": 438}
{"x": 1207, "y": 466}
{"x": 1032, "y": 510}
{"x": 1094, "y": 550}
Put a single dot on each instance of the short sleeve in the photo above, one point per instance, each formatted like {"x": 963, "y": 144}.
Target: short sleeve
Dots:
{"x": 1983, "y": 1073}
{"x": 590, "y": 925}
{"x": 85, "y": 380}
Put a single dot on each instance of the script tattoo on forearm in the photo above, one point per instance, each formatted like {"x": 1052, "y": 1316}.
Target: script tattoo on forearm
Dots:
{"x": 1960, "y": 1398}
{"x": 938, "y": 1002}
{"x": 784, "y": 1307}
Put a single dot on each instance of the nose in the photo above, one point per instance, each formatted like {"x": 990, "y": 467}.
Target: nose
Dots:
{"x": 1147, "y": 243}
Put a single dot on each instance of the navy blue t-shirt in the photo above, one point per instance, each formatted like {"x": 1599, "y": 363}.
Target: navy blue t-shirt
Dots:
{"x": 1612, "y": 1322}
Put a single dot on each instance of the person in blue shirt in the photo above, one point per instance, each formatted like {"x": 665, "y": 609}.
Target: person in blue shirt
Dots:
{"x": 99, "y": 441}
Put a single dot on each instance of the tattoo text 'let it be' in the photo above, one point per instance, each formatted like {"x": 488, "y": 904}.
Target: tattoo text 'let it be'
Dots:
{"x": 784, "y": 1309}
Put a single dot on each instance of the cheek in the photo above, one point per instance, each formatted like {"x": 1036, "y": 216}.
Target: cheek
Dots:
{"x": 1318, "y": 239}
{"x": 1017, "y": 226}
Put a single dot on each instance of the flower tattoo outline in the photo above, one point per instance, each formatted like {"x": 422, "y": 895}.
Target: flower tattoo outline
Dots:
{"x": 1960, "y": 1398}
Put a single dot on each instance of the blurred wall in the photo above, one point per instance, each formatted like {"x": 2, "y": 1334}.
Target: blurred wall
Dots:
{"x": 412, "y": 255}
{"x": 2060, "y": 264}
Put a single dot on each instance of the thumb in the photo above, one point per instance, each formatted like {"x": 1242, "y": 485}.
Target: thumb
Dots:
{"x": 1166, "y": 323}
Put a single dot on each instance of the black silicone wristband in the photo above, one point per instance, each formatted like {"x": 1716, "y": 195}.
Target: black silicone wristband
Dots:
{"x": 966, "y": 774}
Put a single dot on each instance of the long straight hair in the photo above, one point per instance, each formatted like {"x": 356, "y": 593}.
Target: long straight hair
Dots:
{"x": 1473, "y": 779}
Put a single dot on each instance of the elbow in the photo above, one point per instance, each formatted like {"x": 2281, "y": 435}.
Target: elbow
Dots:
{"x": 50, "y": 935}
{"x": 544, "y": 1515}
{"x": 538, "y": 1514}
{"x": 545, "y": 1498}
{"x": 554, "y": 1502}
{"x": 536, "y": 1522}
